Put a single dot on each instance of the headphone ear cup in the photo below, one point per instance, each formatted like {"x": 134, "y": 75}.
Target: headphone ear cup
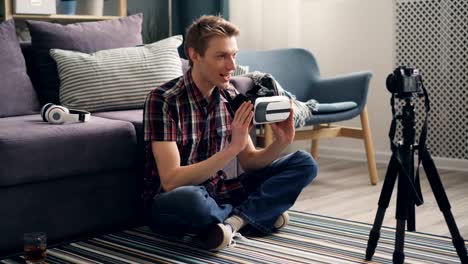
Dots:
{"x": 44, "y": 110}
{"x": 56, "y": 114}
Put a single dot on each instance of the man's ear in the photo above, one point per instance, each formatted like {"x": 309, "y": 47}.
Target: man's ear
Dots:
{"x": 194, "y": 56}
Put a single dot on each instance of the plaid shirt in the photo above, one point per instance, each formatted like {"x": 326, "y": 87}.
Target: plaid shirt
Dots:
{"x": 177, "y": 111}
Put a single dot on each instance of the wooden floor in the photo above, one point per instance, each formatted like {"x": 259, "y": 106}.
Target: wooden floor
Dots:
{"x": 342, "y": 190}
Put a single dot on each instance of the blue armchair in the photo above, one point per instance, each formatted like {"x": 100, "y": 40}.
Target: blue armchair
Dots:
{"x": 297, "y": 72}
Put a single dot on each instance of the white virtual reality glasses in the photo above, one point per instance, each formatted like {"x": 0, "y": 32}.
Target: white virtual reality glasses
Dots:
{"x": 271, "y": 109}
{"x": 57, "y": 114}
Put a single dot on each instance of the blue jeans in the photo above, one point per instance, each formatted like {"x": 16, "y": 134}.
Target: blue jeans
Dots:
{"x": 268, "y": 193}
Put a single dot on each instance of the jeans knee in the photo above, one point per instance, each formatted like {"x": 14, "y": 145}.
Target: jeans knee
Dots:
{"x": 187, "y": 208}
{"x": 193, "y": 198}
{"x": 307, "y": 165}
{"x": 186, "y": 199}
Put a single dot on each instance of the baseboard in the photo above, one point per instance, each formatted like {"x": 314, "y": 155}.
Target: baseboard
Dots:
{"x": 384, "y": 158}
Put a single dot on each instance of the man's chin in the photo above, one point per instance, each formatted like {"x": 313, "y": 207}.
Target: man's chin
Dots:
{"x": 223, "y": 85}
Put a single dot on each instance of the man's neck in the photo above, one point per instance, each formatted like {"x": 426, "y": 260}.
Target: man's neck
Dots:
{"x": 205, "y": 89}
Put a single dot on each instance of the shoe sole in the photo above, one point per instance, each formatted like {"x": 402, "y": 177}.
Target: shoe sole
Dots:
{"x": 217, "y": 238}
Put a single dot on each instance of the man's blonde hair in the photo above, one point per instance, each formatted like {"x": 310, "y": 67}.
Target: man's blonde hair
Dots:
{"x": 205, "y": 28}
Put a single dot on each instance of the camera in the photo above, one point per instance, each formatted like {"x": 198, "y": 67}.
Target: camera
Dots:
{"x": 404, "y": 81}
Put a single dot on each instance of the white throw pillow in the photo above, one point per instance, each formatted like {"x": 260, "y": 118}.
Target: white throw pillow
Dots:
{"x": 116, "y": 79}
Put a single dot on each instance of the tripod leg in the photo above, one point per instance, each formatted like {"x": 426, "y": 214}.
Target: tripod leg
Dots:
{"x": 402, "y": 208}
{"x": 398, "y": 254}
{"x": 444, "y": 205}
{"x": 411, "y": 223}
{"x": 384, "y": 200}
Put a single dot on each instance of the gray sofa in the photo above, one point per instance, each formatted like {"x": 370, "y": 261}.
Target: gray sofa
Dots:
{"x": 69, "y": 180}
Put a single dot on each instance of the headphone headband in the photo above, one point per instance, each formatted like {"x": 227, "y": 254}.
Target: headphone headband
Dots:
{"x": 57, "y": 114}
{"x": 79, "y": 115}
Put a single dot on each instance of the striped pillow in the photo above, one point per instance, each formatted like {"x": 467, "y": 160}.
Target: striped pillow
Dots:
{"x": 116, "y": 79}
{"x": 240, "y": 70}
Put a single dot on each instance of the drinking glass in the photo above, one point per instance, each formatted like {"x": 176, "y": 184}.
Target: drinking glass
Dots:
{"x": 35, "y": 246}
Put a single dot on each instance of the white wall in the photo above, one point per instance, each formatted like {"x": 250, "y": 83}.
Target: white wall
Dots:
{"x": 344, "y": 35}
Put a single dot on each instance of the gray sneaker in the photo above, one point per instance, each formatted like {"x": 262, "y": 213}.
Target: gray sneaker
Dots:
{"x": 218, "y": 237}
{"x": 282, "y": 220}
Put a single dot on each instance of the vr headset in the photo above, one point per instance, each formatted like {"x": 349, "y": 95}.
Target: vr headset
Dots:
{"x": 269, "y": 109}
{"x": 57, "y": 114}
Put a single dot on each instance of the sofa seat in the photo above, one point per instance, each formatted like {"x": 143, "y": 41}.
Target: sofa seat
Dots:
{"x": 133, "y": 116}
{"x": 38, "y": 151}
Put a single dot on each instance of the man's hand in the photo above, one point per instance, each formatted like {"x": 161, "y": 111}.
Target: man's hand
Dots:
{"x": 284, "y": 131}
{"x": 252, "y": 159}
{"x": 241, "y": 126}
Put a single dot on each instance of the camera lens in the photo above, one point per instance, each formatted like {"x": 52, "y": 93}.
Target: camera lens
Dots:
{"x": 391, "y": 83}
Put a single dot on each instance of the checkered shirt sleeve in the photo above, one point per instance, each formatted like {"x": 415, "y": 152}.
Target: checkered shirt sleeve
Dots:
{"x": 159, "y": 124}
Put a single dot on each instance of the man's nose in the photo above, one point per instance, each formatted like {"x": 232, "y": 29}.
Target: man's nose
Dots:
{"x": 231, "y": 63}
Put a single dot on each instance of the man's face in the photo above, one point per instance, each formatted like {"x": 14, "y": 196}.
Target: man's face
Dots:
{"x": 218, "y": 63}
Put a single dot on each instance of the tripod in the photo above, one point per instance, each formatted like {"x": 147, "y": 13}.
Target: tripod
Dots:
{"x": 401, "y": 166}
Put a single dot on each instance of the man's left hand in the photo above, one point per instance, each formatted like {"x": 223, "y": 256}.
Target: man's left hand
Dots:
{"x": 284, "y": 131}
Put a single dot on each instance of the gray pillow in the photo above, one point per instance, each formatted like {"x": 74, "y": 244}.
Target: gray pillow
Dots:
{"x": 116, "y": 79}
{"x": 17, "y": 95}
{"x": 83, "y": 37}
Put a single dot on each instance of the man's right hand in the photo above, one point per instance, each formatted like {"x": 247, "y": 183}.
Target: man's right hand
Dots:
{"x": 241, "y": 126}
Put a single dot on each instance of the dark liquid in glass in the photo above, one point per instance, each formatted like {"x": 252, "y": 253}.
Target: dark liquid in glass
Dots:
{"x": 34, "y": 254}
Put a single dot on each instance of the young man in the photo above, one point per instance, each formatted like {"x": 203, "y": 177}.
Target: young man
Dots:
{"x": 191, "y": 136}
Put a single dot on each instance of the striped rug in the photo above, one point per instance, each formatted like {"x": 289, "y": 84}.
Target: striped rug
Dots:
{"x": 308, "y": 239}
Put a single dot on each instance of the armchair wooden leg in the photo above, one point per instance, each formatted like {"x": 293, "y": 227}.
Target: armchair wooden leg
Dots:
{"x": 374, "y": 178}
{"x": 314, "y": 147}
{"x": 314, "y": 150}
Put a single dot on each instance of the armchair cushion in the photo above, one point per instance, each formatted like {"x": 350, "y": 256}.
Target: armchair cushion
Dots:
{"x": 334, "y": 107}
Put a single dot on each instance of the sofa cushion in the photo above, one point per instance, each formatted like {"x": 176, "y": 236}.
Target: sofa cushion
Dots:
{"x": 17, "y": 95}
{"x": 116, "y": 79}
{"x": 83, "y": 37}
{"x": 38, "y": 151}
{"x": 133, "y": 116}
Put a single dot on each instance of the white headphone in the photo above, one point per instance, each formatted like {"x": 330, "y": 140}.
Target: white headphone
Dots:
{"x": 57, "y": 114}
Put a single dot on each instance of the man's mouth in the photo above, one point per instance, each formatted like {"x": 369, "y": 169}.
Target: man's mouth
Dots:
{"x": 226, "y": 77}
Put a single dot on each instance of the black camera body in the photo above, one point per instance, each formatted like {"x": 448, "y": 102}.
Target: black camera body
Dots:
{"x": 404, "y": 81}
